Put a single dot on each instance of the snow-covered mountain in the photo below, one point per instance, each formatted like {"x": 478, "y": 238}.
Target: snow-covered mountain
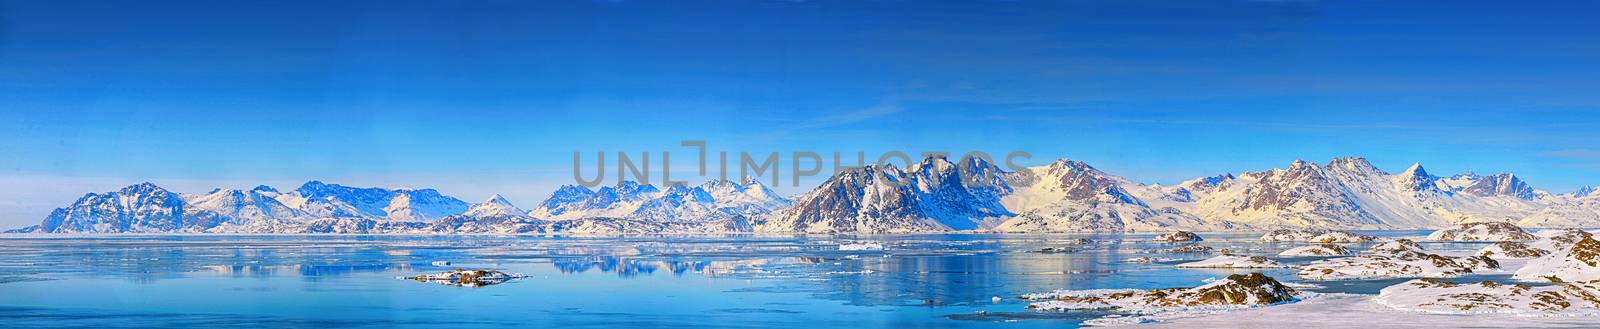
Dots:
{"x": 1586, "y": 191}
{"x": 137, "y": 208}
{"x": 255, "y": 210}
{"x": 1071, "y": 196}
{"x": 1502, "y": 184}
{"x": 715, "y": 200}
{"x": 319, "y": 200}
{"x": 496, "y": 206}
{"x": 934, "y": 194}
{"x": 313, "y": 208}
{"x": 1350, "y": 193}
{"x": 748, "y": 195}
{"x": 931, "y": 195}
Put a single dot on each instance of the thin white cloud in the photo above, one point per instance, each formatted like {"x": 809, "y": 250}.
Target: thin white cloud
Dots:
{"x": 837, "y": 120}
{"x": 1575, "y": 154}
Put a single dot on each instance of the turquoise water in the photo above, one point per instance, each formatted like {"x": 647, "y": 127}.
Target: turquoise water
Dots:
{"x": 928, "y": 281}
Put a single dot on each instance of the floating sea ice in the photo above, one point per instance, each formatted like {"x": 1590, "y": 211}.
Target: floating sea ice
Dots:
{"x": 865, "y": 246}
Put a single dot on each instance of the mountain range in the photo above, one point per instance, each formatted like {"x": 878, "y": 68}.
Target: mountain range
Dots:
{"x": 933, "y": 195}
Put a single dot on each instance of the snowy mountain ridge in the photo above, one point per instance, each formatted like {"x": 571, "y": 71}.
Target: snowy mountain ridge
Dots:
{"x": 935, "y": 194}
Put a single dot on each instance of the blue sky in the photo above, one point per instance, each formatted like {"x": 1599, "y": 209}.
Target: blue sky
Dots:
{"x": 482, "y": 97}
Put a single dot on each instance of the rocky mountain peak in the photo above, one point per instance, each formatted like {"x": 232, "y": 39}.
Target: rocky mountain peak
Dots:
{"x": 1502, "y": 184}
{"x": 1207, "y": 184}
{"x": 142, "y": 188}
{"x": 1415, "y": 178}
{"x": 1586, "y": 190}
{"x": 1353, "y": 164}
{"x": 1079, "y": 181}
{"x": 497, "y": 199}
{"x": 750, "y": 181}
{"x": 496, "y": 205}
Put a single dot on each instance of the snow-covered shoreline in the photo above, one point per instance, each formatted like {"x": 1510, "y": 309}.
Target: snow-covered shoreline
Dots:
{"x": 1356, "y": 311}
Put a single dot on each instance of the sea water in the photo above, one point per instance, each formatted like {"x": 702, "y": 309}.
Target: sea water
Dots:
{"x": 937, "y": 281}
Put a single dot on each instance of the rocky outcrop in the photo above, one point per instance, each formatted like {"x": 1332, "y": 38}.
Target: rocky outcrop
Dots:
{"x": 1238, "y": 290}
{"x": 1292, "y": 235}
{"x": 1580, "y": 262}
{"x": 1490, "y": 231}
{"x": 1511, "y": 250}
{"x": 467, "y": 278}
{"x": 1397, "y": 245}
{"x": 1435, "y": 296}
{"x": 1560, "y": 239}
{"x": 1341, "y": 237}
{"x": 1178, "y": 236}
{"x": 1316, "y": 250}
{"x": 1395, "y": 259}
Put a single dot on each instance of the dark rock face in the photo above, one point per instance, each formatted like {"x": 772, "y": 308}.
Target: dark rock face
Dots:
{"x": 1502, "y": 184}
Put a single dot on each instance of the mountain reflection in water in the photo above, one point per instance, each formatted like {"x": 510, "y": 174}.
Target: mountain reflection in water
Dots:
{"x": 670, "y": 281}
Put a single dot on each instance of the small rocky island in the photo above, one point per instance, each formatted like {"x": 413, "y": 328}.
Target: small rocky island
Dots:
{"x": 467, "y": 278}
{"x": 1179, "y": 236}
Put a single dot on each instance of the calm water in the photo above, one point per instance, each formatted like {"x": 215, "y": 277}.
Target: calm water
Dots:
{"x": 927, "y": 281}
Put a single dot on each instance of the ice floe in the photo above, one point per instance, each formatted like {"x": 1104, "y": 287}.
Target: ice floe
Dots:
{"x": 1233, "y": 261}
{"x": 1054, "y": 250}
{"x": 1191, "y": 249}
{"x": 1151, "y": 259}
{"x": 865, "y": 246}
